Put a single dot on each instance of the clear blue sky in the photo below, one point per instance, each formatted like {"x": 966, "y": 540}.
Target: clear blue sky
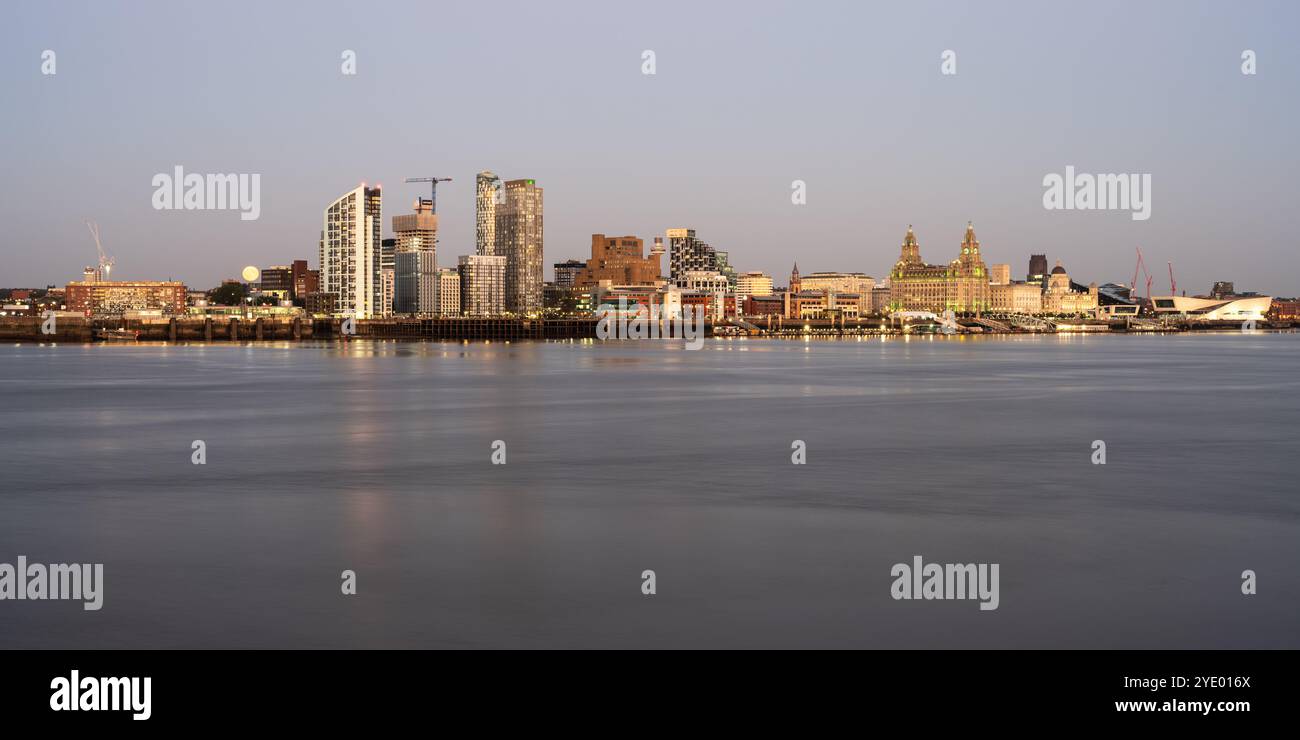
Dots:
{"x": 748, "y": 96}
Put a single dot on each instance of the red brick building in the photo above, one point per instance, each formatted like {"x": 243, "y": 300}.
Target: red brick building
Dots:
{"x": 620, "y": 260}
{"x": 1285, "y": 309}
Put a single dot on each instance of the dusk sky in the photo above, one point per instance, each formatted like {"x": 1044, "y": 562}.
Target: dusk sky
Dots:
{"x": 747, "y": 97}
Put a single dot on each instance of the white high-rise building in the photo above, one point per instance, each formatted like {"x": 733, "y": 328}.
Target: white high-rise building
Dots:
{"x": 449, "y": 292}
{"x": 350, "y": 253}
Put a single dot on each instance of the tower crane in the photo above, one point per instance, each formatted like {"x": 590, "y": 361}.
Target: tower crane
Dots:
{"x": 1173, "y": 284}
{"x": 105, "y": 262}
{"x": 433, "y": 188}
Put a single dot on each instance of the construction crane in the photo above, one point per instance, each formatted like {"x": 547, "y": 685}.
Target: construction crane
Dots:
{"x": 105, "y": 262}
{"x": 1173, "y": 284}
{"x": 1141, "y": 266}
{"x": 433, "y": 189}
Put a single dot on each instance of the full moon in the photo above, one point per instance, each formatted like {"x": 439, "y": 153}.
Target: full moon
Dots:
{"x": 251, "y": 274}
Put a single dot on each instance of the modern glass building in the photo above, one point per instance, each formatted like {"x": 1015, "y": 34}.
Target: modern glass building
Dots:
{"x": 508, "y": 223}
{"x": 487, "y": 192}
{"x": 566, "y": 273}
{"x": 519, "y": 240}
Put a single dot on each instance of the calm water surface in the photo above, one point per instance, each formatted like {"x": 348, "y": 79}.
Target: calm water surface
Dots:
{"x": 629, "y": 456}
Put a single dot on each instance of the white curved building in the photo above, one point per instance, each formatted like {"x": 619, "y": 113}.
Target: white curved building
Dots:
{"x": 350, "y": 247}
{"x": 1228, "y": 308}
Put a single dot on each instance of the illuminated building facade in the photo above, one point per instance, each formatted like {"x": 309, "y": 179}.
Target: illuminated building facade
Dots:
{"x": 305, "y": 281}
{"x": 1060, "y": 297}
{"x": 350, "y": 253}
{"x": 277, "y": 281}
{"x": 838, "y": 282}
{"x": 1225, "y": 308}
{"x": 482, "y": 285}
{"x": 961, "y": 286}
{"x": 1037, "y": 270}
{"x": 619, "y": 260}
{"x": 566, "y": 273}
{"x": 519, "y": 240}
{"x": 1284, "y": 309}
{"x": 999, "y": 274}
{"x": 825, "y": 304}
{"x": 686, "y": 254}
{"x": 1018, "y": 297}
{"x": 105, "y": 298}
{"x": 487, "y": 193}
{"x": 752, "y": 284}
{"x": 448, "y": 292}
{"x": 388, "y": 273}
{"x": 416, "y": 264}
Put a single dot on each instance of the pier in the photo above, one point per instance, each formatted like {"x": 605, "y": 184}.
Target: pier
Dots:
{"x": 465, "y": 328}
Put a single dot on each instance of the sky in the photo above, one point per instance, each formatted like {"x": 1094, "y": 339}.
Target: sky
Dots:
{"x": 747, "y": 97}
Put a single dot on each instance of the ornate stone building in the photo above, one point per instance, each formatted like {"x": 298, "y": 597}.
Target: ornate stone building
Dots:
{"x": 1016, "y": 297}
{"x": 962, "y": 285}
{"x": 1060, "y": 297}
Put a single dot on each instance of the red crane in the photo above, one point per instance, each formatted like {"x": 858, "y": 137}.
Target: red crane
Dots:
{"x": 1173, "y": 284}
{"x": 1141, "y": 266}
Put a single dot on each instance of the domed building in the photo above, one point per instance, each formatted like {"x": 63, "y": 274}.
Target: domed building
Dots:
{"x": 962, "y": 285}
{"x": 1060, "y": 297}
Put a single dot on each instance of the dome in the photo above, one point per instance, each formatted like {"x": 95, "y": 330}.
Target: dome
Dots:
{"x": 1058, "y": 270}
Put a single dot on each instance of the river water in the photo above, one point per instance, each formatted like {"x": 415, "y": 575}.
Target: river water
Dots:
{"x": 376, "y": 457}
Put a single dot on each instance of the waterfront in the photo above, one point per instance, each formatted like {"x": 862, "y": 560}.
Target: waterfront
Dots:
{"x": 374, "y": 456}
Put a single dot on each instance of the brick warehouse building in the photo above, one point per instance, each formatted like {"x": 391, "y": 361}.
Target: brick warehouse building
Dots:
{"x": 103, "y": 298}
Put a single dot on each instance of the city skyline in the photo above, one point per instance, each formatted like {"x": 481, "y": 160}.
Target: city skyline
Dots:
{"x": 866, "y": 121}
{"x": 957, "y": 325}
